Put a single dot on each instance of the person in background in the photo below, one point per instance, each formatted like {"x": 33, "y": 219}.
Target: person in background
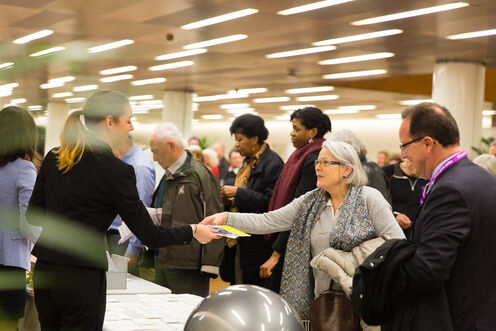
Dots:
{"x": 382, "y": 158}
{"x": 235, "y": 162}
{"x": 252, "y": 191}
{"x": 18, "y": 163}
{"x": 406, "y": 190}
{"x": 341, "y": 213}
{"x": 197, "y": 152}
{"x": 376, "y": 177}
{"x": 297, "y": 177}
{"x": 492, "y": 148}
{"x": 186, "y": 193}
{"x": 194, "y": 141}
{"x": 395, "y": 158}
{"x": 487, "y": 161}
{"x": 79, "y": 190}
{"x": 223, "y": 163}
{"x": 211, "y": 161}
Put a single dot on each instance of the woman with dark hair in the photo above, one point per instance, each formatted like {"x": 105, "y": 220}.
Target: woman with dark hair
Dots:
{"x": 18, "y": 162}
{"x": 296, "y": 178}
{"x": 252, "y": 191}
{"x": 82, "y": 186}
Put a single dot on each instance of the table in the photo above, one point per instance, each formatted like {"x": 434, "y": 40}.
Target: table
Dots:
{"x": 136, "y": 285}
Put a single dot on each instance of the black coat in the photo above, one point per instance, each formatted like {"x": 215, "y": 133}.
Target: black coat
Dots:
{"x": 376, "y": 178}
{"x": 85, "y": 201}
{"x": 454, "y": 231}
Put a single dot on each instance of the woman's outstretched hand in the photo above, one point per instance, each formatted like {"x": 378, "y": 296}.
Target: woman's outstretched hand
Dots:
{"x": 215, "y": 219}
{"x": 204, "y": 233}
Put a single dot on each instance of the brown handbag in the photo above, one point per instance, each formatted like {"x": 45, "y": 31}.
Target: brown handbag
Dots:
{"x": 332, "y": 310}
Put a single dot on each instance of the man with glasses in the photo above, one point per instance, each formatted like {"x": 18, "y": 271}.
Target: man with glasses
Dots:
{"x": 454, "y": 229}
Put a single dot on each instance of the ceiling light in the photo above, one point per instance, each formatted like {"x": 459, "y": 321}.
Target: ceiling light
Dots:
{"x": 359, "y": 107}
{"x": 319, "y": 97}
{"x": 355, "y": 74}
{"x": 62, "y": 95}
{"x": 115, "y": 78}
{"x": 33, "y": 36}
{"x": 171, "y": 65}
{"x": 310, "y": 89}
{"x": 106, "y": 47}
{"x": 217, "y": 41}
{"x": 273, "y": 99}
{"x": 5, "y": 93}
{"x": 388, "y": 116}
{"x": 220, "y": 97}
{"x": 311, "y": 6}
{"x": 62, "y": 80}
{"x": 364, "y": 36}
{"x": 241, "y": 111}
{"x": 489, "y": 112}
{"x": 141, "y": 97}
{"x": 148, "y": 81}
{"x": 85, "y": 88}
{"x": 340, "y": 111}
{"x": 18, "y": 101}
{"x": 300, "y": 52}
{"x": 219, "y": 19}
{"x": 411, "y": 13}
{"x": 74, "y": 100}
{"x": 213, "y": 117}
{"x": 475, "y": 34}
{"x": 283, "y": 118}
{"x": 176, "y": 55}
{"x": 48, "y": 51}
{"x": 9, "y": 86}
{"x": 358, "y": 58}
{"x": 51, "y": 85}
{"x": 249, "y": 90}
{"x": 118, "y": 70}
{"x": 294, "y": 107}
{"x": 414, "y": 102}
{"x": 235, "y": 105}
{"x": 6, "y": 65}
{"x": 149, "y": 102}
{"x": 195, "y": 106}
{"x": 35, "y": 107}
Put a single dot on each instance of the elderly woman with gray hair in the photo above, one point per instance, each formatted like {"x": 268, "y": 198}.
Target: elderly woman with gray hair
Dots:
{"x": 341, "y": 213}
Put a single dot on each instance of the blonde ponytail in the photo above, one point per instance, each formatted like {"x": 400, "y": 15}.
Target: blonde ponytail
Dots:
{"x": 73, "y": 141}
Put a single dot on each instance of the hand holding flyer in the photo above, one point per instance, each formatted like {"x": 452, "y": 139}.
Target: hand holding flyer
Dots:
{"x": 228, "y": 231}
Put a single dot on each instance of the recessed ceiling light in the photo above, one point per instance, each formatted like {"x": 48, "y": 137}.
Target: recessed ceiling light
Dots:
{"x": 414, "y": 102}
{"x": 9, "y": 86}
{"x": 6, "y": 65}
{"x": 294, "y": 107}
{"x": 18, "y": 101}
{"x": 273, "y": 99}
{"x": 48, "y": 51}
{"x": 106, "y": 47}
{"x": 85, "y": 88}
{"x": 310, "y": 89}
{"x": 411, "y": 13}
{"x": 358, "y": 58}
{"x": 355, "y": 74}
{"x": 148, "y": 81}
{"x": 220, "y": 97}
{"x": 195, "y": 106}
{"x": 249, "y": 90}
{"x": 358, "y": 107}
{"x": 5, "y": 93}
{"x": 64, "y": 79}
{"x": 35, "y": 107}
{"x": 311, "y": 6}
{"x": 62, "y": 95}
{"x": 219, "y": 19}
{"x": 364, "y": 36}
{"x": 488, "y": 112}
{"x": 74, "y": 100}
{"x": 340, "y": 111}
{"x": 283, "y": 117}
{"x": 217, "y": 41}
{"x": 213, "y": 117}
{"x": 115, "y": 78}
{"x": 303, "y": 51}
{"x": 176, "y": 55}
{"x": 318, "y": 97}
{"x": 141, "y": 97}
{"x": 475, "y": 34}
{"x": 388, "y": 116}
{"x": 241, "y": 111}
{"x": 51, "y": 85}
{"x": 235, "y": 105}
{"x": 33, "y": 36}
{"x": 118, "y": 70}
{"x": 173, "y": 65}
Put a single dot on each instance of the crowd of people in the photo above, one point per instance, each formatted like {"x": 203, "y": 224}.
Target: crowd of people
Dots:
{"x": 66, "y": 209}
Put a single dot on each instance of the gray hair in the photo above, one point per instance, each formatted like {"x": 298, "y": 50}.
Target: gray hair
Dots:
{"x": 487, "y": 161}
{"x": 350, "y": 138}
{"x": 493, "y": 143}
{"x": 168, "y": 131}
{"x": 346, "y": 154}
{"x": 212, "y": 156}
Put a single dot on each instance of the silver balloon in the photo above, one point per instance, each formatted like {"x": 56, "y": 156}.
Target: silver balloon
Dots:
{"x": 243, "y": 308}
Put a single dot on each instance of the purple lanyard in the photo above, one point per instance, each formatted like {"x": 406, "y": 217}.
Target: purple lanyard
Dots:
{"x": 452, "y": 160}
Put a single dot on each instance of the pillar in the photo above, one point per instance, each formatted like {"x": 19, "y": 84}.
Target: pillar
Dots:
{"x": 178, "y": 110}
{"x": 459, "y": 86}
{"x": 57, "y": 114}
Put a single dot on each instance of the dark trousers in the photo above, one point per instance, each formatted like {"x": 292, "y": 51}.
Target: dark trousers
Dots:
{"x": 183, "y": 281}
{"x": 68, "y": 297}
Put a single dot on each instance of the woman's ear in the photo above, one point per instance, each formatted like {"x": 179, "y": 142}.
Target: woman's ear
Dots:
{"x": 314, "y": 132}
{"x": 108, "y": 122}
{"x": 347, "y": 171}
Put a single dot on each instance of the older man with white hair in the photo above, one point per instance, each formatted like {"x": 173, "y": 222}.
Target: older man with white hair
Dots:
{"x": 187, "y": 193}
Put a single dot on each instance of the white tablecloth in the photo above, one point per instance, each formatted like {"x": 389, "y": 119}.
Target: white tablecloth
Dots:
{"x": 136, "y": 285}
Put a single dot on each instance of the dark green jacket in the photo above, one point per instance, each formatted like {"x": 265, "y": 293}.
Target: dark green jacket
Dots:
{"x": 188, "y": 197}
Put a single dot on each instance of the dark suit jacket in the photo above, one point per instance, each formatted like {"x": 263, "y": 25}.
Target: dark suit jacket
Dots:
{"x": 76, "y": 209}
{"x": 455, "y": 231}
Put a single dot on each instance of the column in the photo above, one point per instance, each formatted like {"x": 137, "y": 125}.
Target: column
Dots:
{"x": 459, "y": 86}
{"x": 178, "y": 110}
{"x": 57, "y": 114}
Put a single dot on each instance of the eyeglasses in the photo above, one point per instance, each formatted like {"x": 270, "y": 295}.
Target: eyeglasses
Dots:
{"x": 405, "y": 145}
{"x": 326, "y": 162}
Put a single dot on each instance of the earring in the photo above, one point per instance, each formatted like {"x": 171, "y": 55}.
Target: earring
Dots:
{"x": 311, "y": 140}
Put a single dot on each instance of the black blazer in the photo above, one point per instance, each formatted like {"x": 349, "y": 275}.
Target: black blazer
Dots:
{"x": 76, "y": 209}
{"x": 455, "y": 233}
